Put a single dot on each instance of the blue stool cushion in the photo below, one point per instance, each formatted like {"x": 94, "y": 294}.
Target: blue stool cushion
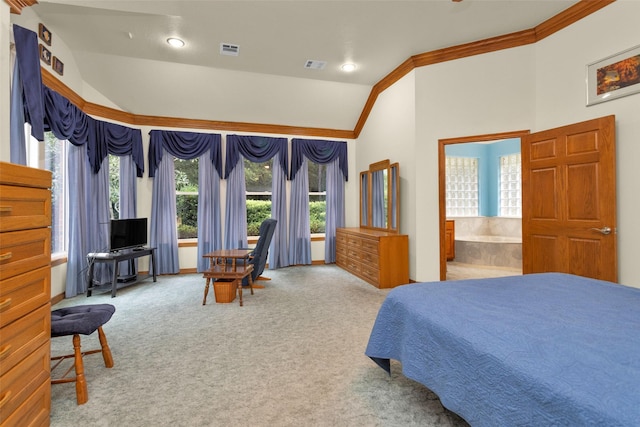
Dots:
{"x": 81, "y": 319}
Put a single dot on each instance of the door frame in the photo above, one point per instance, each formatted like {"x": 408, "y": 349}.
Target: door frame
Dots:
{"x": 442, "y": 143}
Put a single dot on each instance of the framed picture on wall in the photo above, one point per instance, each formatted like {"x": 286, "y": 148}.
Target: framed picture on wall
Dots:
{"x": 44, "y": 34}
{"x": 45, "y": 54}
{"x": 58, "y": 66}
{"x": 614, "y": 77}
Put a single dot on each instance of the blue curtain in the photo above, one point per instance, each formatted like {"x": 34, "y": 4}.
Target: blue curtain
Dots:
{"x": 28, "y": 59}
{"x": 334, "y": 155}
{"x": 299, "y": 229}
{"x": 257, "y": 149}
{"x": 236, "y": 207}
{"x": 377, "y": 200}
{"x": 128, "y": 196}
{"x": 209, "y": 221}
{"x": 18, "y": 143}
{"x": 163, "y": 147}
{"x": 335, "y": 209}
{"x": 163, "y": 234}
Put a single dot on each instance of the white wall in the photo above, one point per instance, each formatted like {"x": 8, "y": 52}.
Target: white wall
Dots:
{"x": 390, "y": 134}
{"x": 482, "y": 94}
{"x": 561, "y": 61}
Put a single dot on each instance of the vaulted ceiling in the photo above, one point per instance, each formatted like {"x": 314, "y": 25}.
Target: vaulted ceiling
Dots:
{"x": 120, "y": 49}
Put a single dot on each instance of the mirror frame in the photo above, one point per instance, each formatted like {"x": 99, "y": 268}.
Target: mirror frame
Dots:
{"x": 392, "y": 220}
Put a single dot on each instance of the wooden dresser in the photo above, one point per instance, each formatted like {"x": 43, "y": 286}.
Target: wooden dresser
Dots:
{"x": 25, "y": 295}
{"x": 379, "y": 257}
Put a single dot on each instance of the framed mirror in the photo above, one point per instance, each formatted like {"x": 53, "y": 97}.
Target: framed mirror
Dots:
{"x": 379, "y": 197}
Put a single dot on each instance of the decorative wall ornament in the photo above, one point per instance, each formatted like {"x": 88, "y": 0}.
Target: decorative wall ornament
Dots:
{"x": 58, "y": 65}
{"x": 44, "y": 34}
{"x": 45, "y": 54}
{"x": 614, "y": 77}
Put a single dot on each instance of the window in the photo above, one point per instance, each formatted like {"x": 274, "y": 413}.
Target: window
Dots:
{"x": 317, "y": 197}
{"x": 52, "y": 156}
{"x": 510, "y": 185}
{"x": 258, "y": 181}
{"x": 114, "y": 186}
{"x": 461, "y": 186}
{"x": 186, "y": 172}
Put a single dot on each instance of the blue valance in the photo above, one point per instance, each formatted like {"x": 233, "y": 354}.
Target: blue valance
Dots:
{"x": 68, "y": 122}
{"x": 318, "y": 151}
{"x": 258, "y": 149}
{"x": 184, "y": 145}
{"x": 28, "y": 58}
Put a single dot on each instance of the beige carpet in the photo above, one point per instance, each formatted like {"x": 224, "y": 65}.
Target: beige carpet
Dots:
{"x": 292, "y": 356}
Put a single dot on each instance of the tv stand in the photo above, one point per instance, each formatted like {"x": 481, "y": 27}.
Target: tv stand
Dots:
{"x": 115, "y": 258}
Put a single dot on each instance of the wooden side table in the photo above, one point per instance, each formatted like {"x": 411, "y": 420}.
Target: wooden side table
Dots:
{"x": 222, "y": 270}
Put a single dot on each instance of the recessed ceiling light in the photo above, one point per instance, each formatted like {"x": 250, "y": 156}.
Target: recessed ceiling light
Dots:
{"x": 347, "y": 68}
{"x": 175, "y": 42}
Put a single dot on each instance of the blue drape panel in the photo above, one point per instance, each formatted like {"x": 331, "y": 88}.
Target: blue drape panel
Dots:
{"x": 299, "y": 229}
{"x": 319, "y": 151}
{"x": 279, "y": 254}
{"x": 163, "y": 147}
{"x": 68, "y": 122}
{"x": 335, "y": 217}
{"x": 334, "y": 155}
{"x": 257, "y": 149}
{"x": 18, "y": 142}
{"x": 88, "y": 220}
{"x": 377, "y": 200}
{"x": 209, "y": 221}
{"x": 128, "y": 196}
{"x": 235, "y": 235}
{"x": 28, "y": 58}
{"x": 164, "y": 234}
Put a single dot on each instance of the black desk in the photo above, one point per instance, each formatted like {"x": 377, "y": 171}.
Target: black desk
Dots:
{"x": 115, "y": 258}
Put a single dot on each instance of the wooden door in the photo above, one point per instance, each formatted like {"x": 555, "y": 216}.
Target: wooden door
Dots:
{"x": 569, "y": 200}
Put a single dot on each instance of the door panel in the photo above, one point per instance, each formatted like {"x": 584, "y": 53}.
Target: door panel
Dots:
{"x": 569, "y": 196}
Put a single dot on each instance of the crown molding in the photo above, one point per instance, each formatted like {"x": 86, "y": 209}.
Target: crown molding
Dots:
{"x": 16, "y": 6}
{"x": 520, "y": 38}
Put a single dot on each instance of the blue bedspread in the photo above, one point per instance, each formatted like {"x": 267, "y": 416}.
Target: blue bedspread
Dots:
{"x": 536, "y": 350}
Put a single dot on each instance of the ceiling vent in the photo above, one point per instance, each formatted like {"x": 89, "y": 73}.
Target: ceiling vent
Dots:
{"x": 229, "y": 49}
{"x": 314, "y": 64}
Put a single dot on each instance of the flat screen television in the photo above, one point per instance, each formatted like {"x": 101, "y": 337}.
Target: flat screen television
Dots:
{"x": 127, "y": 233}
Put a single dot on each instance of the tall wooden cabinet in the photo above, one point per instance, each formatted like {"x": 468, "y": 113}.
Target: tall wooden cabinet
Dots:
{"x": 25, "y": 295}
{"x": 379, "y": 257}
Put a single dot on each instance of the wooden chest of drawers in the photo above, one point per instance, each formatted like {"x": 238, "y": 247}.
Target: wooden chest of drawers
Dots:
{"x": 379, "y": 257}
{"x": 25, "y": 295}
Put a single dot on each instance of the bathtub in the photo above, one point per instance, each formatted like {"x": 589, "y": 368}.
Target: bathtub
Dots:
{"x": 489, "y": 242}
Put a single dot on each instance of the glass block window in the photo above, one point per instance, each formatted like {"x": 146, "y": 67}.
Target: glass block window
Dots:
{"x": 461, "y": 186}
{"x": 510, "y": 185}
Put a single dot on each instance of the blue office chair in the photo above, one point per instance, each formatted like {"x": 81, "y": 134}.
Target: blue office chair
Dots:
{"x": 258, "y": 257}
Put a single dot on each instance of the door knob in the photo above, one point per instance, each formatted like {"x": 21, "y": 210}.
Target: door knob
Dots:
{"x": 603, "y": 230}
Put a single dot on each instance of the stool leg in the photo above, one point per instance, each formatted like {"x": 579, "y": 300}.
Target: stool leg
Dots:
{"x": 106, "y": 351}
{"x": 206, "y": 291}
{"x": 238, "y": 284}
{"x": 81, "y": 383}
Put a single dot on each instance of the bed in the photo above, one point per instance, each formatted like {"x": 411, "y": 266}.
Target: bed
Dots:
{"x": 534, "y": 350}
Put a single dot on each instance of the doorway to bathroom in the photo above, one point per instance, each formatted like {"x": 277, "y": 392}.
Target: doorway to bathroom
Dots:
{"x": 480, "y": 206}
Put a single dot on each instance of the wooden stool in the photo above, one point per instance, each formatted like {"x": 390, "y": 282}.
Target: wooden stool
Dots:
{"x": 231, "y": 273}
{"x": 85, "y": 320}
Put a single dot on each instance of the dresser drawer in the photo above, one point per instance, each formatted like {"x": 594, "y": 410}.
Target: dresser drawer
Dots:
{"x": 19, "y": 383}
{"x": 341, "y": 238}
{"x": 370, "y": 272}
{"x": 354, "y": 241}
{"x": 341, "y": 249}
{"x": 23, "y": 336}
{"x": 23, "y": 208}
{"x": 34, "y": 411}
{"x": 21, "y": 294}
{"x": 341, "y": 260}
{"x": 370, "y": 246}
{"x": 354, "y": 253}
{"x": 369, "y": 258}
{"x": 22, "y": 251}
{"x": 353, "y": 266}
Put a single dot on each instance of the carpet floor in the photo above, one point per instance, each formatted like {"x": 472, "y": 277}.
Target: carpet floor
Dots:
{"x": 292, "y": 356}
